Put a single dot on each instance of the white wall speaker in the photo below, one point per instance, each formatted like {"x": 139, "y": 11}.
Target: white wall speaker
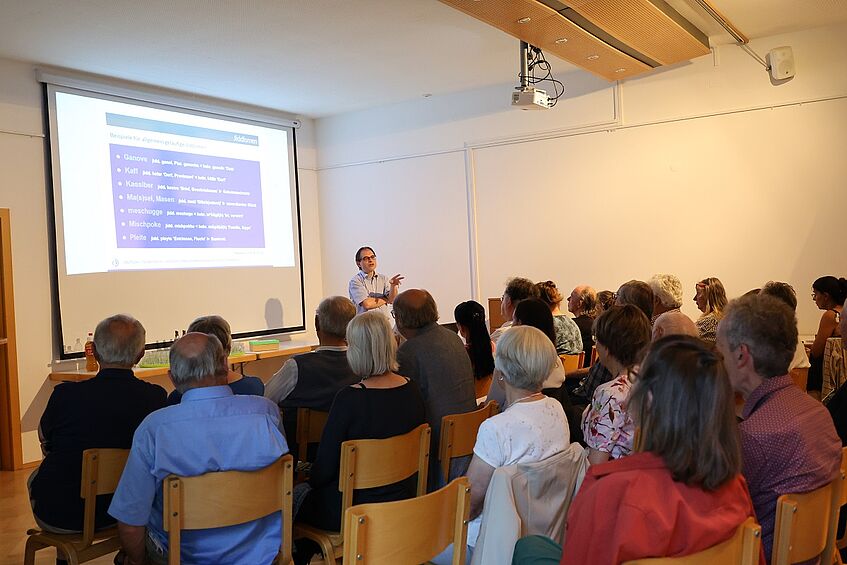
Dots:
{"x": 781, "y": 63}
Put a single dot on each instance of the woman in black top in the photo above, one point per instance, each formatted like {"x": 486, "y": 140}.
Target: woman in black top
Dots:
{"x": 382, "y": 405}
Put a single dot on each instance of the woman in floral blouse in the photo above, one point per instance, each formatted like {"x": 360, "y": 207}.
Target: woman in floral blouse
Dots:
{"x": 621, "y": 336}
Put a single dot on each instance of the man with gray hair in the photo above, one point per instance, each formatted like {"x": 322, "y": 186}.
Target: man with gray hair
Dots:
{"x": 435, "y": 358}
{"x": 667, "y": 294}
{"x": 211, "y": 429}
{"x": 788, "y": 441}
{"x": 673, "y": 323}
{"x": 103, "y": 411}
{"x": 311, "y": 380}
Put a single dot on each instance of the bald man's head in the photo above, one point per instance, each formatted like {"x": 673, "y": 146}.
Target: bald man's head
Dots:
{"x": 674, "y": 323}
{"x": 414, "y": 309}
{"x": 197, "y": 359}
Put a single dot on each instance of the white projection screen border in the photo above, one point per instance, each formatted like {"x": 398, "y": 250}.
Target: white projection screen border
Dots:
{"x": 166, "y": 209}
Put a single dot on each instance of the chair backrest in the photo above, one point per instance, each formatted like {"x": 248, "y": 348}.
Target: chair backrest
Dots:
{"x": 805, "y": 525}
{"x": 594, "y": 355}
{"x": 834, "y": 367}
{"x": 495, "y": 318}
{"x": 800, "y": 376}
{"x": 310, "y": 426}
{"x": 226, "y": 498}
{"x": 368, "y": 463}
{"x": 409, "y": 531}
{"x": 101, "y": 472}
{"x": 741, "y": 549}
{"x": 458, "y": 434}
{"x": 572, "y": 362}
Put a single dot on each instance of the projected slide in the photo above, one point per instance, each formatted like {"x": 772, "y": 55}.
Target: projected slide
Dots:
{"x": 148, "y": 188}
{"x": 173, "y": 199}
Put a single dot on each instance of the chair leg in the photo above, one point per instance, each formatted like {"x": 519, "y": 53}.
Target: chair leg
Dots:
{"x": 31, "y": 547}
{"x": 69, "y": 551}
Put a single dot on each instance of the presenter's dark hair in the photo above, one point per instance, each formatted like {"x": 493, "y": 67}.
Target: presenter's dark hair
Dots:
{"x": 359, "y": 252}
{"x": 471, "y": 315}
{"x": 684, "y": 406}
{"x": 535, "y": 312}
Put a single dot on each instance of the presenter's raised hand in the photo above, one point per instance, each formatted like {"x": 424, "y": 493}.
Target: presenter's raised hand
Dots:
{"x": 395, "y": 280}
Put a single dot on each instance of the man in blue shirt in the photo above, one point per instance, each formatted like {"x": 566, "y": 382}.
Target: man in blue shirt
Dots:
{"x": 210, "y": 430}
{"x": 368, "y": 289}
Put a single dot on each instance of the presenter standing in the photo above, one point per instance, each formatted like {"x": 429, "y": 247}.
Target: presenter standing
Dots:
{"x": 368, "y": 289}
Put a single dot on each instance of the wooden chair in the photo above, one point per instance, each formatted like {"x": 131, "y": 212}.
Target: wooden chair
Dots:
{"x": 368, "y": 463}
{"x": 841, "y": 542}
{"x": 805, "y": 525}
{"x": 227, "y": 498}
{"x": 458, "y": 434}
{"x": 800, "y": 376}
{"x": 101, "y": 471}
{"x": 310, "y": 426}
{"x": 594, "y": 355}
{"x": 495, "y": 318}
{"x": 572, "y": 362}
{"x": 409, "y": 531}
{"x": 740, "y": 549}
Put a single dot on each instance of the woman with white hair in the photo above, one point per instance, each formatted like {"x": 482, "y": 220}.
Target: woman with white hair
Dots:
{"x": 532, "y": 427}
{"x": 382, "y": 405}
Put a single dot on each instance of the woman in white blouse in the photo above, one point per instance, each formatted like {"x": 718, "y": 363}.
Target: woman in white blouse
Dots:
{"x": 532, "y": 427}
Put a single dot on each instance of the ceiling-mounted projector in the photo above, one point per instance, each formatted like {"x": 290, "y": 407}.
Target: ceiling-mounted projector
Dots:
{"x": 531, "y": 99}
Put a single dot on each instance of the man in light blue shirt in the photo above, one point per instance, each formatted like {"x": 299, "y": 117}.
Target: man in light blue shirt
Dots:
{"x": 368, "y": 289}
{"x": 210, "y": 430}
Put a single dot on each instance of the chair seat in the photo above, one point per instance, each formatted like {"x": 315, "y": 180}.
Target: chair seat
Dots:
{"x": 321, "y": 537}
{"x": 76, "y": 538}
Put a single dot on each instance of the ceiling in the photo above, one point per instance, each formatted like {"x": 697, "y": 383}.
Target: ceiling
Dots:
{"x": 313, "y": 57}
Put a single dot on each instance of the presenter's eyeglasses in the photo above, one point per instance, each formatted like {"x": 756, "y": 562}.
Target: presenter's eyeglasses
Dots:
{"x": 368, "y": 258}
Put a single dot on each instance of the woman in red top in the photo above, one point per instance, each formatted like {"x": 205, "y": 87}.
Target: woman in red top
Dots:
{"x": 682, "y": 491}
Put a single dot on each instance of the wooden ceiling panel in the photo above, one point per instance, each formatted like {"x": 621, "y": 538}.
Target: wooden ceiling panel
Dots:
{"x": 546, "y": 28}
{"x": 642, "y": 25}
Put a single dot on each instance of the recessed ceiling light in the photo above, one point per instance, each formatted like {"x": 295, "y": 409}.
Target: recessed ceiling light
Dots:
{"x": 524, "y": 20}
{"x": 593, "y": 57}
{"x": 620, "y": 70}
{"x": 562, "y": 40}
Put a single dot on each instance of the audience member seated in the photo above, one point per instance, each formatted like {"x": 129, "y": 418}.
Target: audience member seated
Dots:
{"x": 605, "y": 300}
{"x": 517, "y": 289}
{"x": 788, "y": 442}
{"x": 828, "y": 293}
{"x": 240, "y": 384}
{"x": 568, "y": 338}
{"x": 621, "y": 335}
{"x": 533, "y": 312}
{"x": 785, "y": 292}
{"x": 311, "y": 380}
{"x": 681, "y": 493}
{"x": 531, "y": 428}
{"x": 582, "y": 303}
{"x": 838, "y": 405}
{"x": 673, "y": 323}
{"x": 382, "y": 405}
{"x": 470, "y": 321}
{"x": 435, "y": 358}
{"x": 211, "y": 429}
{"x": 635, "y": 293}
{"x": 710, "y": 297}
{"x": 667, "y": 295}
{"x": 103, "y": 411}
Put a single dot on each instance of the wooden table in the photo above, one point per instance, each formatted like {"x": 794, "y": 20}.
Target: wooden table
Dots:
{"x": 145, "y": 373}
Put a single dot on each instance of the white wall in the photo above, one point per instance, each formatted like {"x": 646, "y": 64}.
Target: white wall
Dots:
{"x": 23, "y": 190}
{"x": 705, "y": 169}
